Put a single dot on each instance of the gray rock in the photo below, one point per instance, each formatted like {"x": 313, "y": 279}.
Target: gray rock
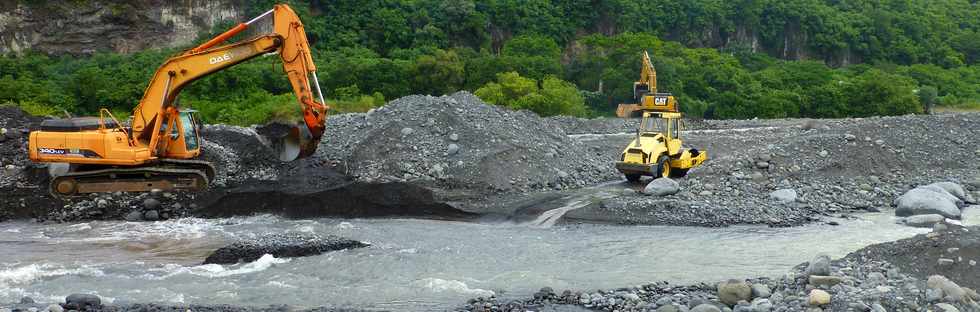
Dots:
{"x": 454, "y": 137}
{"x": 407, "y": 131}
{"x": 732, "y": 291}
{"x": 948, "y": 287}
{"x": 761, "y": 291}
{"x": 920, "y": 201}
{"x": 819, "y": 266}
{"x": 452, "y": 149}
{"x": 156, "y": 193}
{"x": 784, "y": 196}
{"x": 4, "y": 310}
{"x": 280, "y": 246}
{"x": 824, "y": 280}
{"x": 55, "y": 308}
{"x": 876, "y": 279}
{"x": 823, "y": 153}
{"x": 151, "y": 215}
{"x": 26, "y": 300}
{"x": 705, "y": 308}
{"x": 934, "y": 295}
{"x": 762, "y": 165}
{"x": 955, "y": 190}
{"x": 133, "y": 216}
{"x": 151, "y": 204}
{"x": 926, "y": 220}
{"x": 876, "y": 307}
{"x": 668, "y": 308}
{"x": 944, "y": 261}
{"x": 939, "y": 227}
{"x": 662, "y": 187}
{"x": 83, "y": 302}
{"x": 945, "y": 307}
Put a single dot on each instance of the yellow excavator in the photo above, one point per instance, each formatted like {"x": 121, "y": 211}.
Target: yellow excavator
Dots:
{"x": 657, "y": 149}
{"x": 157, "y": 149}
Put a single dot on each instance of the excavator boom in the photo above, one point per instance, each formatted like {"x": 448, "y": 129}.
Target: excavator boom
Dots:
{"x": 288, "y": 38}
{"x": 156, "y": 151}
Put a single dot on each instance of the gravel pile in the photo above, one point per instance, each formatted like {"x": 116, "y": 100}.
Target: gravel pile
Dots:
{"x": 857, "y": 282}
{"x": 458, "y": 142}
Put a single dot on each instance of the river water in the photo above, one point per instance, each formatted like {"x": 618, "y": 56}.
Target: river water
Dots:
{"x": 411, "y": 265}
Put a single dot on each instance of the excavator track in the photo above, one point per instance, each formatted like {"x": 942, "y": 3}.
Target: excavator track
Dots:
{"x": 167, "y": 176}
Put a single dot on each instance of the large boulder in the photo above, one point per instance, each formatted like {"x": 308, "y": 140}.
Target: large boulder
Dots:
{"x": 662, "y": 187}
{"x": 948, "y": 288}
{"x": 83, "y": 302}
{"x": 920, "y": 201}
{"x": 280, "y": 246}
{"x": 955, "y": 190}
{"x": 732, "y": 291}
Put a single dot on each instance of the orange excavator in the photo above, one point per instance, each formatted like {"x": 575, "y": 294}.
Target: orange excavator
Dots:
{"x": 157, "y": 149}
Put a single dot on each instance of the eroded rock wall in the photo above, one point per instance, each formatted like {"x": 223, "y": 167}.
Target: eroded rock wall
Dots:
{"x": 86, "y": 27}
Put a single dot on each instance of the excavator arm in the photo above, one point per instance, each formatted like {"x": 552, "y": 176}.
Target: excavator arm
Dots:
{"x": 288, "y": 38}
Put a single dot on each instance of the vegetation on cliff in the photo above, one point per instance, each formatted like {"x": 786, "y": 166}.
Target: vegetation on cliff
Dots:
{"x": 723, "y": 59}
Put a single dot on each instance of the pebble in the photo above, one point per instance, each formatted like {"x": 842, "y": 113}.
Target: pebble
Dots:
{"x": 55, "y": 308}
{"x": 818, "y": 297}
{"x": 407, "y": 131}
{"x": 452, "y": 149}
{"x": 761, "y": 291}
{"x": 454, "y": 137}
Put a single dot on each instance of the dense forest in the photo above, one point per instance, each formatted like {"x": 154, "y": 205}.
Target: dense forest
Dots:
{"x": 722, "y": 59}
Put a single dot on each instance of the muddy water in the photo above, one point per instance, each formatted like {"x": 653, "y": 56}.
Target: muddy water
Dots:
{"x": 412, "y": 265}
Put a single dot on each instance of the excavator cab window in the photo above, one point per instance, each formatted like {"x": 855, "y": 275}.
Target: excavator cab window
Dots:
{"x": 189, "y": 124}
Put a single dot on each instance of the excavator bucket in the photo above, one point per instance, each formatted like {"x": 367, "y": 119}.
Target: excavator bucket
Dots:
{"x": 290, "y": 142}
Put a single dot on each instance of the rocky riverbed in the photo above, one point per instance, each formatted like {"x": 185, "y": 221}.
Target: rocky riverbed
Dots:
{"x": 881, "y": 277}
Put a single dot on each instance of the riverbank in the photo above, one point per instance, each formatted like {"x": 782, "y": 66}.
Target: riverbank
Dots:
{"x": 879, "y": 277}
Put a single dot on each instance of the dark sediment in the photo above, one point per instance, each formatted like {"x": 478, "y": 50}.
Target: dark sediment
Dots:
{"x": 280, "y": 246}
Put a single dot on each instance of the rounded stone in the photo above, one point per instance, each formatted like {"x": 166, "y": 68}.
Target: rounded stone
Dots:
{"x": 151, "y": 204}
{"x": 151, "y": 215}
{"x": 818, "y": 297}
{"x": 732, "y": 291}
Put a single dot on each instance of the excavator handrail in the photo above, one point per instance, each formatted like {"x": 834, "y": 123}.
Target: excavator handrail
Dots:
{"x": 105, "y": 111}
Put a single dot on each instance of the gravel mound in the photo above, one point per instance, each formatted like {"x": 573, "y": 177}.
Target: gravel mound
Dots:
{"x": 280, "y": 246}
{"x": 458, "y": 143}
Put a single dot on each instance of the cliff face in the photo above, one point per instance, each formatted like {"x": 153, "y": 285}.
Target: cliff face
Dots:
{"x": 88, "y": 26}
